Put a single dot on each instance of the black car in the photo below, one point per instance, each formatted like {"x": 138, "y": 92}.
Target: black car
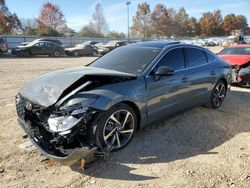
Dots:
{"x": 39, "y": 48}
{"x": 90, "y": 111}
{"x": 81, "y": 50}
{"x": 43, "y": 39}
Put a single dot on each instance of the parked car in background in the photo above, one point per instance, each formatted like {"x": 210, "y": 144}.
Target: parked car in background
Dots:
{"x": 92, "y": 43}
{"x": 44, "y": 39}
{"x": 3, "y": 46}
{"x": 39, "y": 48}
{"x": 239, "y": 57}
{"x": 81, "y": 50}
{"x": 105, "y": 48}
{"x": 91, "y": 110}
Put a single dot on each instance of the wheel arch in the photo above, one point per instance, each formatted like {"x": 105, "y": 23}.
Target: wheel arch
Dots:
{"x": 136, "y": 110}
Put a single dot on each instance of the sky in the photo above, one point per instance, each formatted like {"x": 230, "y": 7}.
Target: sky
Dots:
{"x": 79, "y": 12}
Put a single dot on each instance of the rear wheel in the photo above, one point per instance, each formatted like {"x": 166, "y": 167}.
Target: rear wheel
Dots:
{"x": 56, "y": 53}
{"x": 76, "y": 54}
{"x": 94, "y": 54}
{"x": 115, "y": 127}
{"x": 218, "y": 95}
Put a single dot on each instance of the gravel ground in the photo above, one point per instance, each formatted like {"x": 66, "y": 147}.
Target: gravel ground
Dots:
{"x": 199, "y": 148}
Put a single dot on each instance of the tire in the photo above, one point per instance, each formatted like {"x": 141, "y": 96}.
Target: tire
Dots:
{"x": 1, "y": 52}
{"x": 94, "y": 54}
{"x": 218, "y": 95}
{"x": 56, "y": 53}
{"x": 75, "y": 53}
{"x": 110, "y": 132}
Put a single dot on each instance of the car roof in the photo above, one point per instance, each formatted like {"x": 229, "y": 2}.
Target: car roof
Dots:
{"x": 240, "y": 46}
{"x": 154, "y": 44}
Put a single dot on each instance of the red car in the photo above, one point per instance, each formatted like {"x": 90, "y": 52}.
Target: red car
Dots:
{"x": 239, "y": 57}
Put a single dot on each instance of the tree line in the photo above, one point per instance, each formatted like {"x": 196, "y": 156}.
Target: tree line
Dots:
{"x": 160, "y": 22}
{"x": 167, "y": 22}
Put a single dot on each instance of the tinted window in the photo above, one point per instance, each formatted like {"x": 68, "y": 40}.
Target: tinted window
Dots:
{"x": 127, "y": 59}
{"x": 196, "y": 57}
{"x": 50, "y": 45}
{"x": 173, "y": 59}
{"x": 210, "y": 57}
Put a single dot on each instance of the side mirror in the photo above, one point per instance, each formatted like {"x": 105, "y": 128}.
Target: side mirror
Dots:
{"x": 163, "y": 71}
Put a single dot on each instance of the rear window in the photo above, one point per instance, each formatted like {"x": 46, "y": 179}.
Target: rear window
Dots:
{"x": 196, "y": 57}
{"x": 241, "y": 51}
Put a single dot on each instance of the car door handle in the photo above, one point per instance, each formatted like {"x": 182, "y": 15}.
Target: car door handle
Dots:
{"x": 185, "y": 79}
{"x": 213, "y": 73}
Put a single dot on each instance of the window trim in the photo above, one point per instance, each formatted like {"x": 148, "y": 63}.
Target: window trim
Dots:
{"x": 185, "y": 56}
{"x": 158, "y": 61}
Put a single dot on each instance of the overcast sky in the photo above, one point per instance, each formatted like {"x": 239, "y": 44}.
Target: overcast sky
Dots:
{"x": 79, "y": 12}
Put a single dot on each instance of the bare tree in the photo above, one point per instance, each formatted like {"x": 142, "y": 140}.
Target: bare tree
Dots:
{"x": 98, "y": 20}
{"x": 51, "y": 16}
{"x": 141, "y": 21}
{"x": 9, "y": 23}
{"x": 160, "y": 20}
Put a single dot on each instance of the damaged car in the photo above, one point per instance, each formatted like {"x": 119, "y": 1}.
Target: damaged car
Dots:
{"x": 86, "y": 112}
{"x": 239, "y": 58}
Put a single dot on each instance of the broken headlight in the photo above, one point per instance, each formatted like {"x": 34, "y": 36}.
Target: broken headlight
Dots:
{"x": 70, "y": 116}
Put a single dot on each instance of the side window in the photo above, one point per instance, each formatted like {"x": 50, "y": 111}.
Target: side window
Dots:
{"x": 174, "y": 59}
{"x": 42, "y": 44}
{"x": 49, "y": 45}
{"x": 196, "y": 57}
{"x": 210, "y": 57}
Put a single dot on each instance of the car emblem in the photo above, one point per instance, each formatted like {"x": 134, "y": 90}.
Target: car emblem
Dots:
{"x": 28, "y": 106}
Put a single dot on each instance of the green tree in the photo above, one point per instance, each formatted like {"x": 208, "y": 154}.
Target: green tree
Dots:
{"x": 114, "y": 34}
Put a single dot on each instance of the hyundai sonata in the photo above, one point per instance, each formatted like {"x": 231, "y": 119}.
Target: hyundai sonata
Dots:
{"x": 91, "y": 110}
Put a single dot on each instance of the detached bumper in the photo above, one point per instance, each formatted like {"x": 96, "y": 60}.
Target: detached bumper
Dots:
{"x": 76, "y": 154}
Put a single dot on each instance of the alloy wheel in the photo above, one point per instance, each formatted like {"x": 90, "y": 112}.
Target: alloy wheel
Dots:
{"x": 219, "y": 94}
{"x": 119, "y": 129}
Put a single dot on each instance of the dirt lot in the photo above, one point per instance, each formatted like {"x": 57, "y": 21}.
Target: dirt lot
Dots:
{"x": 200, "y": 148}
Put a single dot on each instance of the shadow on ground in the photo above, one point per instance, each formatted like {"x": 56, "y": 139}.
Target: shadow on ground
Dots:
{"x": 190, "y": 134}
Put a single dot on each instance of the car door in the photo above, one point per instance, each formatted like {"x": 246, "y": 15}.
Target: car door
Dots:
{"x": 168, "y": 94}
{"x": 36, "y": 49}
{"x": 202, "y": 74}
{"x": 87, "y": 50}
{"x": 48, "y": 48}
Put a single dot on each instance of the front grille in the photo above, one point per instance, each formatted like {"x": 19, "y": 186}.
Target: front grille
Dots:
{"x": 20, "y": 108}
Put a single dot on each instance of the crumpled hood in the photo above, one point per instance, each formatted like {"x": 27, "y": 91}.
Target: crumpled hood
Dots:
{"x": 236, "y": 59}
{"x": 46, "y": 89}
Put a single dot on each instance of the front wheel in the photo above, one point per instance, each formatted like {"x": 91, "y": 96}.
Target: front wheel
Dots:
{"x": 115, "y": 127}
{"x": 218, "y": 95}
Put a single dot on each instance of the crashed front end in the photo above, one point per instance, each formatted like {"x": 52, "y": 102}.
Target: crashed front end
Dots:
{"x": 241, "y": 74}
{"x": 60, "y": 134}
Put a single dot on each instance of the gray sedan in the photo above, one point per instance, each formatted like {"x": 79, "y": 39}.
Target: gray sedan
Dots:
{"x": 90, "y": 111}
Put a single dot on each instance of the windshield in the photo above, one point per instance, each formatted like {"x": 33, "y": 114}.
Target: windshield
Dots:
{"x": 241, "y": 51}
{"x": 80, "y": 45}
{"x": 131, "y": 60}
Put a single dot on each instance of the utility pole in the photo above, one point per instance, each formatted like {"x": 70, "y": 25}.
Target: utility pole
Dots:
{"x": 128, "y": 3}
